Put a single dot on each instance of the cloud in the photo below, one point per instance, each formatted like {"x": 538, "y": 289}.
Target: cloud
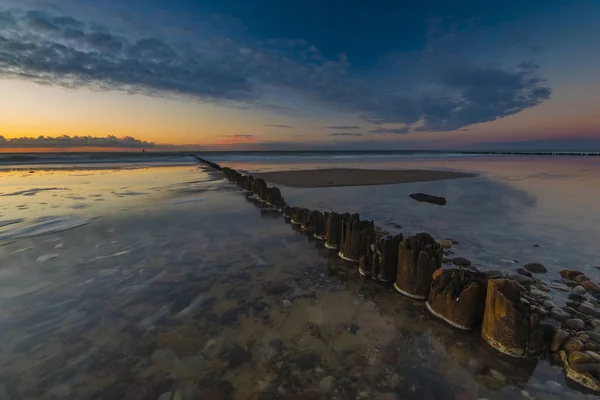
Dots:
{"x": 344, "y": 127}
{"x": 280, "y": 126}
{"x": 238, "y": 136}
{"x": 441, "y": 95}
{"x": 347, "y": 134}
{"x": 74, "y": 141}
{"x": 236, "y": 139}
{"x": 390, "y": 131}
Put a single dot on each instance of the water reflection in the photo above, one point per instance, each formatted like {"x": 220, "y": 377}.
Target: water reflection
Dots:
{"x": 207, "y": 294}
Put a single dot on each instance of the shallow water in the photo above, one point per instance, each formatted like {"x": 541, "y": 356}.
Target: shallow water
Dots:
{"x": 175, "y": 282}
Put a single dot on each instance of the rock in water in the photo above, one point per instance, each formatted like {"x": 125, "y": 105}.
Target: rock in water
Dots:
{"x": 457, "y": 296}
{"x": 333, "y": 236}
{"x": 570, "y": 274}
{"x": 579, "y": 375}
{"x": 535, "y": 267}
{"x": 509, "y": 325}
{"x": 388, "y": 262}
{"x": 419, "y": 256}
{"x": 427, "y": 198}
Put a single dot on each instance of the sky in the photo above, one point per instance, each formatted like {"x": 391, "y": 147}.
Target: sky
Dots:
{"x": 298, "y": 75}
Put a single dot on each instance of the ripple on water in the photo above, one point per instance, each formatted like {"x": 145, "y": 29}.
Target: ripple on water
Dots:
{"x": 44, "y": 226}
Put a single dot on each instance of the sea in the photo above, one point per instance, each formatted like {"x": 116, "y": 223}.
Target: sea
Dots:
{"x": 149, "y": 276}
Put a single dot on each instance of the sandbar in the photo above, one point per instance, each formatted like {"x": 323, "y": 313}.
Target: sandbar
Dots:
{"x": 335, "y": 177}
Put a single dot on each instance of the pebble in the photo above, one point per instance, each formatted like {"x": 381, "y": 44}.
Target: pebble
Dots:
{"x": 579, "y": 290}
{"x": 523, "y": 280}
{"x": 539, "y": 294}
{"x": 535, "y": 267}
{"x": 327, "y": 384}
{"x": 583, "y": 337}
{"x": 581, "y": 278}
{"x": 589, "y": 309}
{"x": 593, "y": 355}
{"x": 549, "y": 304}
{"x": 275, "y": 288}
{"x": 595, "y": 322}
{"x": 560, "y": 336}
{"x": 570, "y": 273}
{"x": 595, "y": 336}
{"x": 575, "y": 324}
{"x": 524, "y": 272}
{"x": 287, "y": 303}
{"x": 462, "y": 262}
{"x": 165, "y": 396}
{"x": 445, "y": 243}
{"x": 590, "y": 286}
{"x": 573, "y": 344}
{"x": 577, "y": 357}
{"x": 590, "y": 346}
{"x": 559, "y": 314}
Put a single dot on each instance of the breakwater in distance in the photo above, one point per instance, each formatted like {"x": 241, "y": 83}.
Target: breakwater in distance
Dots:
{"x": 514, "y": 312}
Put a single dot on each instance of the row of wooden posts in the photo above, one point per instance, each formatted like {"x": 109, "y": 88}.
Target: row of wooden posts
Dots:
{"x": 463, "y": 297}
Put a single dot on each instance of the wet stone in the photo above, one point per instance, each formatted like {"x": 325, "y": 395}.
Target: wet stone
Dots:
{"x": 570, "y": 274}
{"x": 521, "y": 279}
{"x": 579, "y": 291}
{"x": 461, "y": 262}
{"x": 327, "y": 385}
{"x": 535, "y": 267}
{"x": 590, "y": 310}
{"x": 575, "y": 324}
{"x": 573, "y": 344}
{"x": 273, "y": 288}
{"x": 559, "y": 314}
{"x": 560, "y": 337}
{"x": 306, "y": 361}
{"x": 238, "y": 356}
{"x": 422, "y": 383}
{"x": 524, "y": 272}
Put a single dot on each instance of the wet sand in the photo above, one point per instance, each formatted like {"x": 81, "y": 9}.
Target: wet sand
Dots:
{"x": 335, "y": 177}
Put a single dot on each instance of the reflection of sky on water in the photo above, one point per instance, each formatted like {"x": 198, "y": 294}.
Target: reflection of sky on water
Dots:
{"x": 514, "y": 204}
{"x": 73, "y": 304}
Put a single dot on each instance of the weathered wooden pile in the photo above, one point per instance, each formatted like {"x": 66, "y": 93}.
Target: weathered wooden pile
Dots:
{"x": 508, "y": 309}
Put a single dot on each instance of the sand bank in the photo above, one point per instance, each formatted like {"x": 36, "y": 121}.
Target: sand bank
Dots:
{"x": 355, "y": 177}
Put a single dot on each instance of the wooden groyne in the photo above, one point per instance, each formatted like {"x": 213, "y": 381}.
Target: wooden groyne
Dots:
{"x": 534, "y": 153}
{"x": 513, "y": 312}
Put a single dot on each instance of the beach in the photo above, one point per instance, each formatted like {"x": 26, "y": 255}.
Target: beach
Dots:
{"x": 150, "y": 282}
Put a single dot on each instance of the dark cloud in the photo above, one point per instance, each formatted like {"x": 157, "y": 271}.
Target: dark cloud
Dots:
{"x": 344, "y": 127}
{"x": 347, "y": 134}
{"x": 75, "y": 141}
{"x": 62, "y": 51}
{"x": 390, "y": 131}
{"x": 280, "y": 126}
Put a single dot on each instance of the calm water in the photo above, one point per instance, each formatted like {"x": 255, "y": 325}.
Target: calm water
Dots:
{"x": 137, "y": 283}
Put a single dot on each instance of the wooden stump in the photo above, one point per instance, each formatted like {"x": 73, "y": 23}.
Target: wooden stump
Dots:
{"x": 419, "y": 255}
{"x": 457, "y": 296}
{"x": 508, "y": 324}
{"x": 388, "y": 262}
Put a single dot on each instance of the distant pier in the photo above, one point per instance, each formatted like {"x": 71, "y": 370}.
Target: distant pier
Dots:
{"x": 534, "y": 153}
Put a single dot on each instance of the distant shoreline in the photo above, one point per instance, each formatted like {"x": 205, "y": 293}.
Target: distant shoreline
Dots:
{"x": 337, "y": 177}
